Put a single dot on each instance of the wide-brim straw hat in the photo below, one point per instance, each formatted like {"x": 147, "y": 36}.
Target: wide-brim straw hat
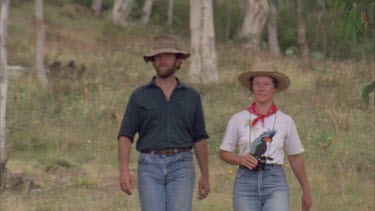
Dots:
{"x": 264, "y": 69}
{"x": 165, "y": 44}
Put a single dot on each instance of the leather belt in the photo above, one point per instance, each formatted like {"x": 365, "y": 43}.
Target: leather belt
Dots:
{"x": 167, "y": 151}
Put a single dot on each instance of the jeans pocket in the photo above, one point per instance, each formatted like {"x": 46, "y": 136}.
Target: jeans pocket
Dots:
{"x": 142, "y": 158}
{"x": 186, "y": 156}
{"x": 241, "y": 172}
{"x": 278, "y": 171}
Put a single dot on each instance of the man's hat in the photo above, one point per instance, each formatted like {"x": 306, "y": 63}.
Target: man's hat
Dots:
{"x": 165, "y": 44}
{"x": 264, "y": 69}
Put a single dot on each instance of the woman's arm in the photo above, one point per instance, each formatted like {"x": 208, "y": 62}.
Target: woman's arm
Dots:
{"x": 298, "y": 167}
{"x": 232, "y": 158}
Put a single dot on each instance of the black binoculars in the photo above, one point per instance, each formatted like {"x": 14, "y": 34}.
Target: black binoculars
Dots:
{"x": 261, "y": 163}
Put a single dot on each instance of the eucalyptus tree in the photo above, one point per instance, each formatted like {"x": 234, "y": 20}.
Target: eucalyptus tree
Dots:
{"x": 273, "y": 41}
{"x": 40, "y": 43}
{"x": 121, "y": 11}
{"x": 96, "y": 6}
{"x": 147, "y": 10}
{"x": 255, "y": 17}
{"x": 170, "y": 12}
{"x": 302, "y": 40}
{"x": 4, "y": 8}
{"x": 203, "y": 68}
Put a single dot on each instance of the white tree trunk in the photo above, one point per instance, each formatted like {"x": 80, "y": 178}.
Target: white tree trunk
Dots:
{"x": 3, "y": 82}
{"x": 170, "y": 12}
{"x": 96, "y": 6}
{"x": 256, "y": 14}
{"x": 121, "y": 11}
{"x": 273, "y": 41}
{"x": 40, "y": 40}
{"x": 203, "y": 67}
{"x": 195, "y": 34}
{"x": 147, "y": 10}
{"x": 302, "y": 41}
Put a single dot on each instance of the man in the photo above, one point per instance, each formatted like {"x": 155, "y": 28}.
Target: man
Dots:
{"x": 168, "y": 117}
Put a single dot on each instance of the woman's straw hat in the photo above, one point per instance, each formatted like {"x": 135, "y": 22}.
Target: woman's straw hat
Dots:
{"x": 165, "y": 44}
{"x": 264, "y": 69}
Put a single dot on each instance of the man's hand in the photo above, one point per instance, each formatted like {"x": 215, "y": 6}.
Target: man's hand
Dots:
{"x": 203, "y": 188}
{"x": 126, "y": 182}
{"x": 126, "y": 178}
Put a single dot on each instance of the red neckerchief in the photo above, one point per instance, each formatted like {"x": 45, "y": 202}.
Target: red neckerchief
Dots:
{"x": 253, "y": 109}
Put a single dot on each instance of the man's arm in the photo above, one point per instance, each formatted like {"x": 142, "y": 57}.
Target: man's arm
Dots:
{"x": 298, "y": 167}
{"x": 126, "y": 178}
{"x": 201, "y": 152}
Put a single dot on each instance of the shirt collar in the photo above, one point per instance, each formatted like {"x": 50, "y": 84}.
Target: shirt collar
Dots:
{"x": 179, "y": 83}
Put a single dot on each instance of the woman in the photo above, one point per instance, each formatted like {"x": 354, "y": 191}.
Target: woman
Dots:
{"x": 263, "y": 134}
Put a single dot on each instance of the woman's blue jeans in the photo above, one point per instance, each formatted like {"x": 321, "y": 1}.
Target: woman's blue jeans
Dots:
{"x": 261, "y": 190}
{"x": 166, "y": 183}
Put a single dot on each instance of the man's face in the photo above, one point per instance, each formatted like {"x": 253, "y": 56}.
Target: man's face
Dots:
{"x": 166, "y": 64}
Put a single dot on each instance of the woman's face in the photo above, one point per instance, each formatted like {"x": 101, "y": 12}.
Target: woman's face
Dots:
{"x": 263, "y": 89}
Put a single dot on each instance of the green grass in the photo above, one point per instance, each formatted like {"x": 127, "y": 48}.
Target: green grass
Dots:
{"x": 64, "y": 137}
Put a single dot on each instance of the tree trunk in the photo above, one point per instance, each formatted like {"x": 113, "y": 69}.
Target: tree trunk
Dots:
{"x": 203, "y": 67}
{"x": 302, "y": 41}
{"x": 170, "y": 12}
{"x": 3, "y": 84}
{"x": 96, "y": 6}
{"x": 147, "y": 10}
{"x": 256, "y": 14}
{"x": 40, "y": 40}
{"x": 195, "y": 31}
{"x": 273, "y": 41}
{"x": 121, "y": 11}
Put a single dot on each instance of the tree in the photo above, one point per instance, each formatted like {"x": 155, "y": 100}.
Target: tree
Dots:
{"x": 170, "y": 12}
{"x": 255, "y": 17}
{"x": 96, "y": 6}
{"x": 147, "y": 10}
{"x": 273, "y": 41}
{"x": 40, "y": 40}
{"x": 367, "y": 90}
{"x": 302, "y": 41}
{"x": 355, "y": 15}
{"x": 121, "y": 11}
{"x": 203, "y": 67}
{"x": 355, "y": 18}
{"x": 3, "y": 84}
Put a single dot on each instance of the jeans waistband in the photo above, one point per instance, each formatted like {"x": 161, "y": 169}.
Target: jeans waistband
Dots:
{"x": 267, "y": 166}
{"x": 167, "y": 151}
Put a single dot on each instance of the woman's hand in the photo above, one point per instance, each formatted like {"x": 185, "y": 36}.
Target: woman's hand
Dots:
{"x": 306, "y": 201}
{"x": 248, "y": 161}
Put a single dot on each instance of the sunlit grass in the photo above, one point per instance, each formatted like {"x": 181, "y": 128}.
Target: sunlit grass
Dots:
{"x": 64, "y": 137}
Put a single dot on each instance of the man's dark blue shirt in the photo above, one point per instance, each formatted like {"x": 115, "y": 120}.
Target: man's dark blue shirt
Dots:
{"x": 162, "y": 124}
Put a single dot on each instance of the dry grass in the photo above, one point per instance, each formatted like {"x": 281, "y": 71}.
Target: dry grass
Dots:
{"x": 65, "y": 137}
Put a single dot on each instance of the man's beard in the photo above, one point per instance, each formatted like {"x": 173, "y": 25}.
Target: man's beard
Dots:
{"x": 166, "y": 73}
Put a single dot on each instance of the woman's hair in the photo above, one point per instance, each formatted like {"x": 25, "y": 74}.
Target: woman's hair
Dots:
{"x": 274, "y": 81}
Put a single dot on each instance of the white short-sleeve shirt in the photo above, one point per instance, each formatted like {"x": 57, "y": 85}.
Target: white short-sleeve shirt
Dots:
{"x": 285, "y": 140}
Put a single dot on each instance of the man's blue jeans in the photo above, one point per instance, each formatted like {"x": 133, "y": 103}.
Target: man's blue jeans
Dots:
{"x": 166, "y": 183}
{"x": 261, "y": 190}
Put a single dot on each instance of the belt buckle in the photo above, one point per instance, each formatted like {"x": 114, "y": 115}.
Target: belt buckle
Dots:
{"x": 167, "y": 152}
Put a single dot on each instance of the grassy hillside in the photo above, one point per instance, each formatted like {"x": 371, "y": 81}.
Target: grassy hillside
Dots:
{"x": 64, "y": 137}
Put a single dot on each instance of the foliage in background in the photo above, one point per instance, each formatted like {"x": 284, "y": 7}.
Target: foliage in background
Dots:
{"x": 335, "y": 28}
{"x": 65, "y": 137}
{"x": 357, "y": 15}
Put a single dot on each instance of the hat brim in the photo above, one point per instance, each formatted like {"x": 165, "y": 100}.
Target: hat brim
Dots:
{"x": 284, "y": 82}
{"x": 149, "y": 56}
